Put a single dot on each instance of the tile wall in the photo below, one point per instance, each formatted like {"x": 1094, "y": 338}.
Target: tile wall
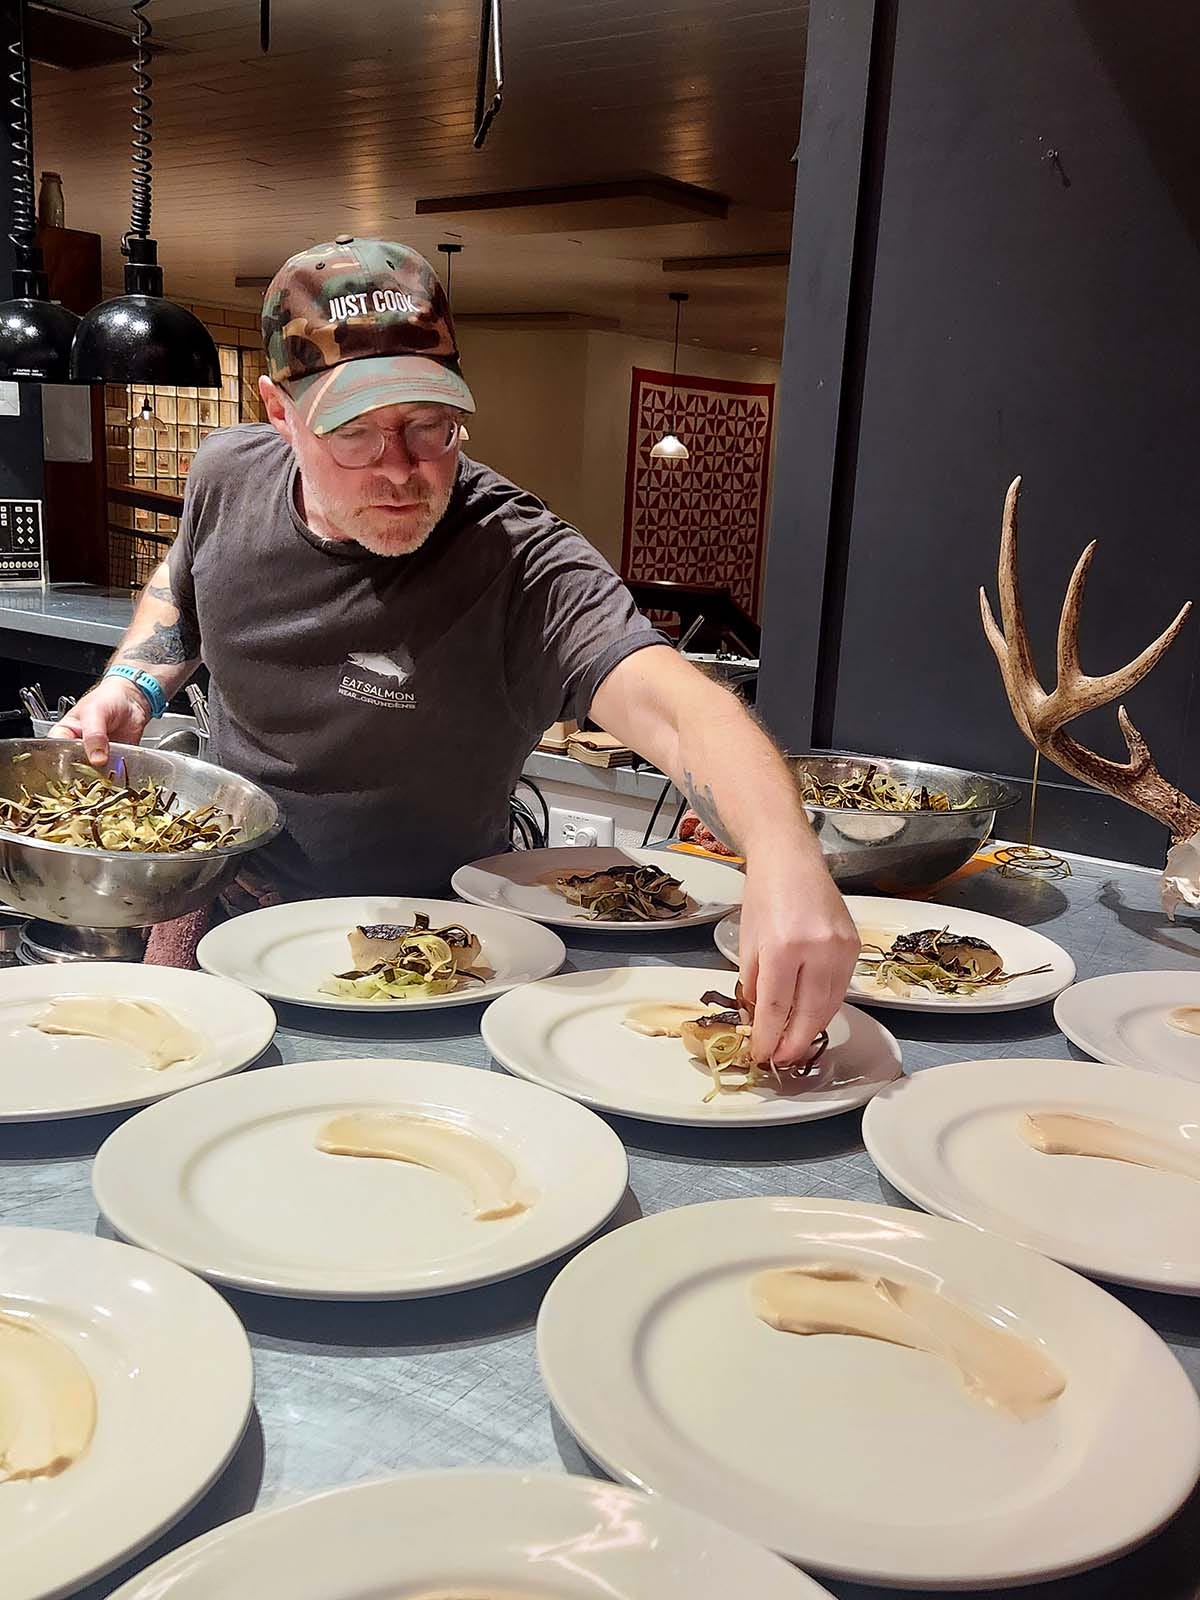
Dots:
{"x": 156, "y": 453}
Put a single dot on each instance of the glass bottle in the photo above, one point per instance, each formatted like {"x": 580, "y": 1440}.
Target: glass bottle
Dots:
{"x": 51, "y": 209}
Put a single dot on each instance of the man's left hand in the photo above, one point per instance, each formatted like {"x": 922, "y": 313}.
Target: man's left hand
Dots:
{"x": 798, "y": 948}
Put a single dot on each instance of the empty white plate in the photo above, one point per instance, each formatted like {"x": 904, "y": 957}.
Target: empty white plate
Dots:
{"x": 170, "y": 1366}
{"x": 287, "y": 952}
{"x": 727, "y": 936}
{"x": 949, "y": 1139}
{"x": 1121, "y": 1018}
{"x": 567, "y": 1033}
{"x": 514, "y": 882}
{"x": 233, "y": 1186}
{"x": 44, "y": 1076}
{"x": 473, "y": 1535}
{"x": 855, "y": 1457}
{"x": 879, "y": 920}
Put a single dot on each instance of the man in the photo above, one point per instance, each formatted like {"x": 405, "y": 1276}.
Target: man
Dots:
{"x": 389, "y": 627}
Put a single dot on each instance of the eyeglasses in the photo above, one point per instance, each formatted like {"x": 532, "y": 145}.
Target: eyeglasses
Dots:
{"x": 364, "y": 444}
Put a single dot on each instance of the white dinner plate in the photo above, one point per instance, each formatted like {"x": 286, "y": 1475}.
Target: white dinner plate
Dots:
{"x": 231, "y": 1183}
{"x": 852, "y": 1456}
{"x": 287, "y": 952}
{"x": 948, "y": 1139}
{"x": 514, "y": 882}
{"x": 173, "y": 1380}
{"x": 727, "y": 936}
{"x": 1021, "y": 950}
{"x": 44, "y": 1076}
{"x": 473, "y": 1535}
{"x": 567, "y": 1033}
{"x": 1121, "y": 1018}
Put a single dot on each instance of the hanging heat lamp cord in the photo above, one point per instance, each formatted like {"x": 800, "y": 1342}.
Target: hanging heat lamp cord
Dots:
{"x": 141, "y": 337}
{"x": 143, "y": 111}
{"x": 35, "y": 331}
{"x": 22, "y": 232}
{"x": 675, "y": 369}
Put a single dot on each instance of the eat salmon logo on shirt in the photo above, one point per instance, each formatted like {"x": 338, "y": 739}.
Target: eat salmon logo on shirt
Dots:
{"x": 380, "y": 679}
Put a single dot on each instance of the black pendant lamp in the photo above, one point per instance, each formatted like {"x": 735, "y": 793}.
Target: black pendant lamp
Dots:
{"x": 140, "y": 337}
{"x": 35, "y": 331}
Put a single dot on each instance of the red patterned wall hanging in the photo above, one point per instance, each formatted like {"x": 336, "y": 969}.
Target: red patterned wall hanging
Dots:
{"x": 700, "y": 520}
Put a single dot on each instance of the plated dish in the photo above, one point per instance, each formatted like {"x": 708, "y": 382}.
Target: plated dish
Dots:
{"x": 623, "y": 892}
{"x": 374, "y": 954}
{"x": 361, "y": 1180}
{"x": 79, "y": 1039}
{"x": 573, "y": 1033}
{"x": 1136, "y": 1019}
{"x": 409, "y": 960}
{"x": 474, "y": 1536}
{"x": 919, "y": 956}
{"x": 716, "y": 1031}
{"x": 603, "y": 889}
{"x": 680, "y": 1363}
{"x": 1096, "y": 1166}
{"x": 125, "y": 1387}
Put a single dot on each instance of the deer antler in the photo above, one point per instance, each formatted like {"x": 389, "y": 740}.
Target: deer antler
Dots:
{"x": 1042, "y": 717}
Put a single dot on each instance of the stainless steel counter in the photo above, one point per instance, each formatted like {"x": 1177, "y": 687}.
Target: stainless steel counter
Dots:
{"x": 351, "y": 1392}
{"x": 77, "y": 611}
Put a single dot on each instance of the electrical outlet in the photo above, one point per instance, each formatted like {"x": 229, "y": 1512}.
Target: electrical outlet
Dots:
{"x": 579, "y": 827}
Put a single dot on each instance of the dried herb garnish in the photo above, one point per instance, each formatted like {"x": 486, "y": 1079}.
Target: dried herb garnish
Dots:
{"x": 938, "y": 960}
{"x": 94, "y": 812}
{"x": 721, "y": 1041}
{"x": 875, "y": 790}
{"x": 635, "y": 893}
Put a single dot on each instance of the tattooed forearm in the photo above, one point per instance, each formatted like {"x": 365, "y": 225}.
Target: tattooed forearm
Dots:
{"x": 171, "y": 644}
{"x": 700, "y": 798}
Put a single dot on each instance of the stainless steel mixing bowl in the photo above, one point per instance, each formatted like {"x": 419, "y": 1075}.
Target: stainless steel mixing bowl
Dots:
{"x": 888, "y": 852}
{"x": 114, "y": 888}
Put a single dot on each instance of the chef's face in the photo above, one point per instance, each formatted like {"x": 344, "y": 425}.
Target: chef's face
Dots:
{"x": 391, "y": 506}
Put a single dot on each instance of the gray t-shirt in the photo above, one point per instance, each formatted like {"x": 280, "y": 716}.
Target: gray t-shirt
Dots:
{"x": 388, "y": 704}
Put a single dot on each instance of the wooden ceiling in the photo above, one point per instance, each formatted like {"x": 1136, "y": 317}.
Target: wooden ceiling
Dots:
{"x": 360, "y": 109}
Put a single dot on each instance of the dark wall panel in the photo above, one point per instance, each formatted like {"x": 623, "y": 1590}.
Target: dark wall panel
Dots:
{"x": 1035, "y": 308}
{"x": 808, "y": 470}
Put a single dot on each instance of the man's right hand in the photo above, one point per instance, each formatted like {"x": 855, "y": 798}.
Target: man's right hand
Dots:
{"x": 114, "y": 711}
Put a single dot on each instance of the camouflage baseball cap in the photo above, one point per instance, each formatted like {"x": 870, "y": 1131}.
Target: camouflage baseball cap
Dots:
{"x": 358, "y": 324}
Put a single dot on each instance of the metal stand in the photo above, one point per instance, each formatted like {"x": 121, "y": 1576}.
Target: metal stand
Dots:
{"x": 1029, "y": 860}
{"x": 57, "y": 942}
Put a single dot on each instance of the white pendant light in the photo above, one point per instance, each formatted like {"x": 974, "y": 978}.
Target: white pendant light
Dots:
{"x": 146, "y": 425}
{"x": 670, "y": 447}
{"x": 450, "y": 251}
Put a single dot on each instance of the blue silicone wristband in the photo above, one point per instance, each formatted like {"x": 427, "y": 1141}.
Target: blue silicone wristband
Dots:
{"x": 150, "y": 687}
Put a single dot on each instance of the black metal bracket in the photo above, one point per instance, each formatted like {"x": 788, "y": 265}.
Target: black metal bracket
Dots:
{"x": 489, "y": 46}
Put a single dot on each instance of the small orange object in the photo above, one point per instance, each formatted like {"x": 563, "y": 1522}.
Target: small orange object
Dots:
{"x": 711, "y": 855}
